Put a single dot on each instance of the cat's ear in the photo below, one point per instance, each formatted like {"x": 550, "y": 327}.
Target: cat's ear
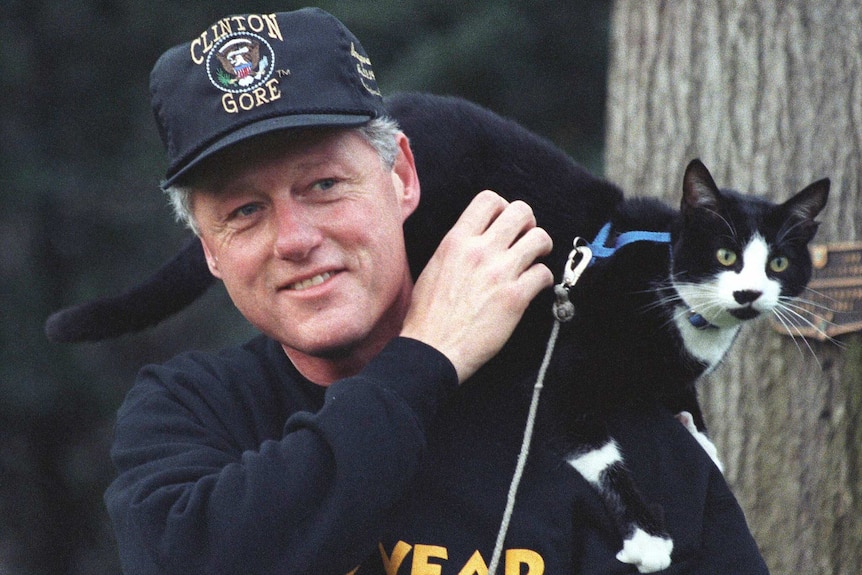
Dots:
{"x": 698, "y": 188}
{"x": 806, "y": 204}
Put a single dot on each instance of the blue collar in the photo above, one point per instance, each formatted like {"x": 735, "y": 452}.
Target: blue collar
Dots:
{"x": 697, "y": 321}
{"x": 600, "y": 250}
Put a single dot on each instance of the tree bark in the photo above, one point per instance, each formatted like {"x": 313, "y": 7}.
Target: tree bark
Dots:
{"x": 769, "y": 95}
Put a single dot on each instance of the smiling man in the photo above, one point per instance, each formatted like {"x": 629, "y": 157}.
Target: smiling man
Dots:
{"x": 291, "y": 454}
{"x": 306, "y": 234}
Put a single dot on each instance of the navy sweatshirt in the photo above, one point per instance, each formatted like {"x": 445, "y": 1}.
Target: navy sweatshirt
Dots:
{"x": 234, "y": 463}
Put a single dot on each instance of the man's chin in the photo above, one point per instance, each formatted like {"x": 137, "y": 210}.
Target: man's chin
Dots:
{"x": 331, "y": 348}
{"x": 328, "y": 351}
{"x": 335, "y": 353}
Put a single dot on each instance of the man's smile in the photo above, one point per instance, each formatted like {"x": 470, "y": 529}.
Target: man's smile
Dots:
{"x": 310, "y": 282}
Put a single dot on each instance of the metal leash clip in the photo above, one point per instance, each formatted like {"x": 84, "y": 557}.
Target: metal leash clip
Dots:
{"x": 579, "y": 259}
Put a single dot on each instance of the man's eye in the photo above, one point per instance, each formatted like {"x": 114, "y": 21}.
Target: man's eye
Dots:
{"x": 326, "y": 184}
{"x": 246, "y": 210}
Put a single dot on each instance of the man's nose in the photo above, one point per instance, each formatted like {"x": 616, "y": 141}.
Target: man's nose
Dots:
{"x": 296, "y": 232}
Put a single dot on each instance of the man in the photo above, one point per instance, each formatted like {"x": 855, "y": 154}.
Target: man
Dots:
{"x": 340, "y": 440}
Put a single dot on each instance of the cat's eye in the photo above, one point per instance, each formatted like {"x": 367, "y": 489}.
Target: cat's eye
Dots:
{"x": 725, "y": 257}
{"x": 779, "y": 264}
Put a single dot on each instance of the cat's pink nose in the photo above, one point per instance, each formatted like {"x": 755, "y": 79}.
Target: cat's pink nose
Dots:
{"x": 746, "y": 296}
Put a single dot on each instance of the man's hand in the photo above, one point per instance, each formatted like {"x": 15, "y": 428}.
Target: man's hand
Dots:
{"x": 471, "y": 295}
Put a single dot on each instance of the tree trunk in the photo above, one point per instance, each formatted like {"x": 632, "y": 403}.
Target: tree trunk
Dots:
{"x": 769, "y": 95}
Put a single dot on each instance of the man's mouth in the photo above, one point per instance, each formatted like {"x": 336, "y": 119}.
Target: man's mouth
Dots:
{"x": 310, "y": 282}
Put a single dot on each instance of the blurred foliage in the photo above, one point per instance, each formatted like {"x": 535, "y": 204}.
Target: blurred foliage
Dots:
{"x": 83, "y": 217}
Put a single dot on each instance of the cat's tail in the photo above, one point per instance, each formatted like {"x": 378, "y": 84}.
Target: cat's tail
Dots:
{"x": 175, "y": 285}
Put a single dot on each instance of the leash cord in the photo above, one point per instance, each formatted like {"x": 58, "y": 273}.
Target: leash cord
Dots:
{"x": 578, "y": 260}
{"x": 525, "y": 450}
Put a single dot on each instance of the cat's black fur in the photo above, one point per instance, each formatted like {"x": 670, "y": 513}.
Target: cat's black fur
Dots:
{"x": 624, "y": 344}
{"x": 631, "y": 339}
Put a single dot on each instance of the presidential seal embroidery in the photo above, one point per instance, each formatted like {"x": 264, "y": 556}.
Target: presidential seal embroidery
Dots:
{"x": 240, "y": 62}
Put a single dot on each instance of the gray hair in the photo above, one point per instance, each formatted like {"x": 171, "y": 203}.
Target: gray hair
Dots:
{"x": 379, "y": 133}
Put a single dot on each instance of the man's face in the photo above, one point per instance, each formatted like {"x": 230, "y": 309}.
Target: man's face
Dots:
{"x": 306, "y": 234}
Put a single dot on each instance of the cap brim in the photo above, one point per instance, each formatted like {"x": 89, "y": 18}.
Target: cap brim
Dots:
{"x": 264, "y": 127}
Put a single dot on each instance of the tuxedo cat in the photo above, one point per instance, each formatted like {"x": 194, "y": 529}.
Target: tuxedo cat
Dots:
{"x": 657, "y": 309}
{"x": 651, "y": 316}
{"x": 660, "y": 305}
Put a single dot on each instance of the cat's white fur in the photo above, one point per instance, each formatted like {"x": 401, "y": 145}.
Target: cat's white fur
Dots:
{"x": 649, "y": 553}
{"x": 752, "y": 276}
{"x": 707, "y": 345}
{"x": 592, "y": 464}
{"x": 714, "y": 299}
{"x": 687, "y": 421}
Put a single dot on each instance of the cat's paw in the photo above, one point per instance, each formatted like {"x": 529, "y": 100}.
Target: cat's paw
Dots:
{"x": 649, "y": 553}
{"x": 687, "y": 421}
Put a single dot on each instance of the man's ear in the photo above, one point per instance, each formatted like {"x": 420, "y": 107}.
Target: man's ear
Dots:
{"x": 212, "y": 261}
{"x": 405, "y": 177}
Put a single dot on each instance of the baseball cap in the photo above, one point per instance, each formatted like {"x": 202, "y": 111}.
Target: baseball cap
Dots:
{"x": 251, "y": 74}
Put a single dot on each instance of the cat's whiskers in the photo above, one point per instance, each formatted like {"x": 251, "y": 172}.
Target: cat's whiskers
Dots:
{"x": 666, "y": 297}
{"x": 704, "y": 299}
{"x": 799, "y": 309}
{"x": 789, "y": 311}
{"x": 779, "y": 313}
{"x": 819, "y": 294}
{"x": 805, "y": 305}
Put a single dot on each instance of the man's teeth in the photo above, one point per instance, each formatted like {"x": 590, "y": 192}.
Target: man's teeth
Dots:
{"x": 316, "y": 280}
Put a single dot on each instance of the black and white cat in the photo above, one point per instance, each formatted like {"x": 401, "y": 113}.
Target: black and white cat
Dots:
{"x": 653, "y": 314}
{"x": 650, "y": 319}
{"x": 660, "y": 310}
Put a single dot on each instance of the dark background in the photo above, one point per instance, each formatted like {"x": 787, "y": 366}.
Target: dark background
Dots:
{"x": 83, "y": 217}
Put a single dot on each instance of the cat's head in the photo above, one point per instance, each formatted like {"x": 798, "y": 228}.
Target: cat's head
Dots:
{"x": 737, "y": 257}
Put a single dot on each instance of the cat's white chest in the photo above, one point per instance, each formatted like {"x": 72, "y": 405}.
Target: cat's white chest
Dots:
{"x": 708, "y": 345}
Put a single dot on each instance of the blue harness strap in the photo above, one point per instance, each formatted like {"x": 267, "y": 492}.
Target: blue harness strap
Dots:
{"x": 601, "y": 250}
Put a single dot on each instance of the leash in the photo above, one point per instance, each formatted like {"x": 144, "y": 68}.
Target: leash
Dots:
{"x": 563, "y": 309}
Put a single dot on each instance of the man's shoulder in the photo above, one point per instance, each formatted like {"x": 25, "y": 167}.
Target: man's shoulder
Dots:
{"x": 260, "y": 356}
{"x": 253, "y": 376}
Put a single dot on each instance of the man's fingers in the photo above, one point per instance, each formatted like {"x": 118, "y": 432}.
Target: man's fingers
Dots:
{"x": 536, "y": 278}
{"x": 502, "y": 222}
{"x": 516, "y": 219}
{"x": 535, "y": 243}
{"x": 481, "y": 213}
{"x": 509, "y": 226}
{"x": 480, "y": 280}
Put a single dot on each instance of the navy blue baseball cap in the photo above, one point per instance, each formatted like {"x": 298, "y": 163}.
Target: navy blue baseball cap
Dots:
{"x": 251, "y": 74}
